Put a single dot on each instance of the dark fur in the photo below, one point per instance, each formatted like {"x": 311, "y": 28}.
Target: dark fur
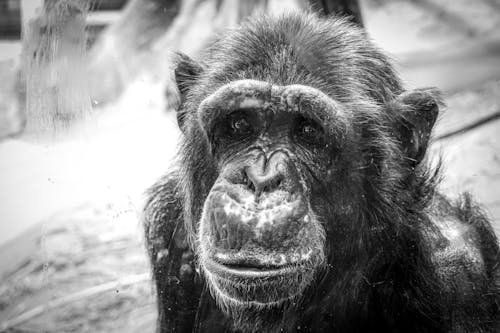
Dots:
{"x": 389, "y": 267}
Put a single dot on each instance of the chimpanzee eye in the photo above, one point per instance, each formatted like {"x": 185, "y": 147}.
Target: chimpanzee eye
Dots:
{"x": 309, "y": 131}
{"x": 234, "y": 127}
{"x": 240, "y": 125}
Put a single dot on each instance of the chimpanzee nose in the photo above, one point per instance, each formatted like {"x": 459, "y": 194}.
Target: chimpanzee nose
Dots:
{"x": 266, "y": 176}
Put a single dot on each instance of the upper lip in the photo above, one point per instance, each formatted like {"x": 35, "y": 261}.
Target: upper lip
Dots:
{"x": 236, "y": 193}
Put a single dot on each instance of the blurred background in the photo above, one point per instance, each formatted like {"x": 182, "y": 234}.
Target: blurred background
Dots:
{"x": 87, "y": 124}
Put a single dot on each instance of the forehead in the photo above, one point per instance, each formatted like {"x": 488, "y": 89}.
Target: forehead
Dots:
{"x": 327, "y": 54}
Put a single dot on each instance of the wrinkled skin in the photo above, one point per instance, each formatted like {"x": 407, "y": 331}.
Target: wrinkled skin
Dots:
{"x": 302, "y": 200}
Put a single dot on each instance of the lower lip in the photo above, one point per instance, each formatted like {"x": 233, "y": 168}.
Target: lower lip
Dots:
{"x": 247, "y": 272}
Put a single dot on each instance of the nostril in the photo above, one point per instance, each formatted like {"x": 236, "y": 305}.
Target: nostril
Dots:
{"x": 246, "y": 181}
{"x": 260, "y": 180}
{"x": 270, "y": 184}
{"x": 278, "y": 182}
{"x": 273, "y": 184}
{"x": 251, "y": 186}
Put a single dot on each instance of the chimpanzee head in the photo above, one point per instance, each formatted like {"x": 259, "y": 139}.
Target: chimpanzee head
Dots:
{"x": 300, "y": 151}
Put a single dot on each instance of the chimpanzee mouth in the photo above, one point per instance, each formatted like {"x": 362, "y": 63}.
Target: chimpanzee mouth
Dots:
{"x": 240, "y": 270}
{"x": 263, "y": 285}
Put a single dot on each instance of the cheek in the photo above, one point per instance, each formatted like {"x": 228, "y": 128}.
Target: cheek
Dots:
{"x": 315, "y": 162}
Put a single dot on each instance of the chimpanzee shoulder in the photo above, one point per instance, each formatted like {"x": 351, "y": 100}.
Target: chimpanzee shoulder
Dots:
{"x": 466, "y": 256}
{"x": 177, "y": 284}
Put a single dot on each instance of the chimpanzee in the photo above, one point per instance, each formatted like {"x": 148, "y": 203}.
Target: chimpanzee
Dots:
{"x": 302, "y": 200}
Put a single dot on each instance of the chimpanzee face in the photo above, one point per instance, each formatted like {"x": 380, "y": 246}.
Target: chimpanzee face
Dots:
{"x": 260, "y": 239}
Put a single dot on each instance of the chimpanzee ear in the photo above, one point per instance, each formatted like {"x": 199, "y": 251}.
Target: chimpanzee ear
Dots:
{"x": 415, "y": 113}
{"x": 186, "y": 71}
